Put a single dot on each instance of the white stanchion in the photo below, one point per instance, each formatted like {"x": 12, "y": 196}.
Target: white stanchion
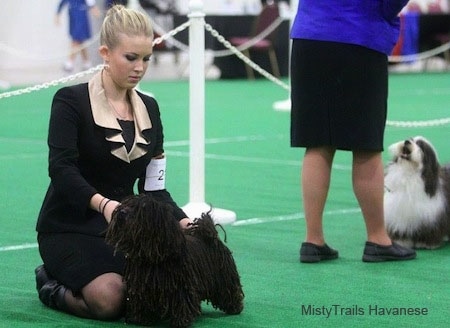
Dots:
{"x": 285, "y": 105}
{"x": 197, "y": 204}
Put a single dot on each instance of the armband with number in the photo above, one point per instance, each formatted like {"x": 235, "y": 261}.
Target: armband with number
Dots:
{"x": 155, "y": 176}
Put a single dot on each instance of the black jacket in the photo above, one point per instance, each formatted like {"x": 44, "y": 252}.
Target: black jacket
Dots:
{"x": 87, "y": 155}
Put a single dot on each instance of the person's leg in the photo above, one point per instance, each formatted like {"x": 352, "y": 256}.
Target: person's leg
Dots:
{"x": 69, "y": 64}
{"x": 85, "y": 57}
{"x": 368, "y": 186}
{"x": 101, "y": 299}
{"x": 74, "y": 49}
{"x": 315, "y": 183}
{"x": 84, "y": 54}
{"x": 81, "y": 275}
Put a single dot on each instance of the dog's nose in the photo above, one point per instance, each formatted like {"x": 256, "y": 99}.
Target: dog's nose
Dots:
{"x": 406, "y": 149}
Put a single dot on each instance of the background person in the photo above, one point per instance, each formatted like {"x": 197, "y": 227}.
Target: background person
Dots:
{"x": 79, "y": 29}
{"x": 339, "y": 89}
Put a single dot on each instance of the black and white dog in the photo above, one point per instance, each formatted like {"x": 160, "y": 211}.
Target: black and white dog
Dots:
{"x": 417, "y": 196}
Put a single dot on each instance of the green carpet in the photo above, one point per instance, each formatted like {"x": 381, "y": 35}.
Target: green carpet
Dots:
{"x": 251, "y": 170}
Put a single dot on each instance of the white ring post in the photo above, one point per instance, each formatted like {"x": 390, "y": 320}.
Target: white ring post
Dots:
{"x": 197, "y": 102}
{"x": 197, "y": 204}
{"x": 285, "y": 105}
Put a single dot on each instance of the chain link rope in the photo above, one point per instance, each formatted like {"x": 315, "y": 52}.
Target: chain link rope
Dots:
{"x": 92, "y": 70}
{"x": 244, "y": 58}
{"x": 237, "y": 51}
{"x": 420, "y": 56}
{"x": 52, "y": 83}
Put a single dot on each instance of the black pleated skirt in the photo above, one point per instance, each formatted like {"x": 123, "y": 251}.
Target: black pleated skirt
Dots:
{"x": 75, "y": 259}
{"x": 339, "y": 96}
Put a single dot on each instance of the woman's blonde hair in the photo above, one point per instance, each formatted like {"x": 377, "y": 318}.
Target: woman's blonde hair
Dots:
{"x": 120, "y": 19}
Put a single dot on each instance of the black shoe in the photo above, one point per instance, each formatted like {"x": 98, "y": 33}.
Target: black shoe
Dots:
{"x": 379, "y": 253}
{"x": 50, "y": 292}
{"x": 311, "y": 253}
{"x": 42, "y": 277}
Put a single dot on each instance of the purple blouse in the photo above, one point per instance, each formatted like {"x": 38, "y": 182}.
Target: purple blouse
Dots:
{"x": 373, "y": 24}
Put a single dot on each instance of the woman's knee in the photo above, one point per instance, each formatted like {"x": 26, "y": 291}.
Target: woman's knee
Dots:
{"x": 109, "y": 307}
{"x": 105, "y": 297}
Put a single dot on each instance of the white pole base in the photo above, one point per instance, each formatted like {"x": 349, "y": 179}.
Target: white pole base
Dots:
{"x": 220, "y": 216}
{"x": 282, "y": 105}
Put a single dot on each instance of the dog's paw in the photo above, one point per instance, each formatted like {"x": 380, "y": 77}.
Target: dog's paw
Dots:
{"x": 426, "y": 246}
{"x": 404, "y": 242}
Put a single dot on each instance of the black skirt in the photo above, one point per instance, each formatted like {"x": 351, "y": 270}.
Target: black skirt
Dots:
{"x": 76, "y": 259}
{"x": 339, "y": 96}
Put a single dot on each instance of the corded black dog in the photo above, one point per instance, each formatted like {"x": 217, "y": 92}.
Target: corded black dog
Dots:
{"x": 170, "y": 271}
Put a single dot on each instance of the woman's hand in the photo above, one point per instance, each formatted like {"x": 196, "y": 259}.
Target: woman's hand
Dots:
{"x": 184, "y": 223}
{"x": 109, "y": 208}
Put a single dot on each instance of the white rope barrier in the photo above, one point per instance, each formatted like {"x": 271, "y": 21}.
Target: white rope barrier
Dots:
{"x": 80, "y": 75}
{"x": 174, "y": 42}
{"x": 420, "y": 56}
{"x": 230, "y": 49}
{"x": 244, "y": 58}
{"x": 269, "y": 29}
{"x": 418, "y": 124}
{"x": 53, "y": 83}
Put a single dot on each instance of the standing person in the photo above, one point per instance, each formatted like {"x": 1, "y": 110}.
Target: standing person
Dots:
{"x": 103, "y": 138}
{"x": 79, "y": 29}
{"x": 339, "y": 79}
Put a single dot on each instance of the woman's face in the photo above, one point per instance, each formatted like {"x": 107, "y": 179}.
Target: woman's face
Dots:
{"x": 129, "y": 60}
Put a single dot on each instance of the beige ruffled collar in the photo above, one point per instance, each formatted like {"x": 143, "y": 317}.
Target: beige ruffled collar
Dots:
{"x": 104, "y": 117}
